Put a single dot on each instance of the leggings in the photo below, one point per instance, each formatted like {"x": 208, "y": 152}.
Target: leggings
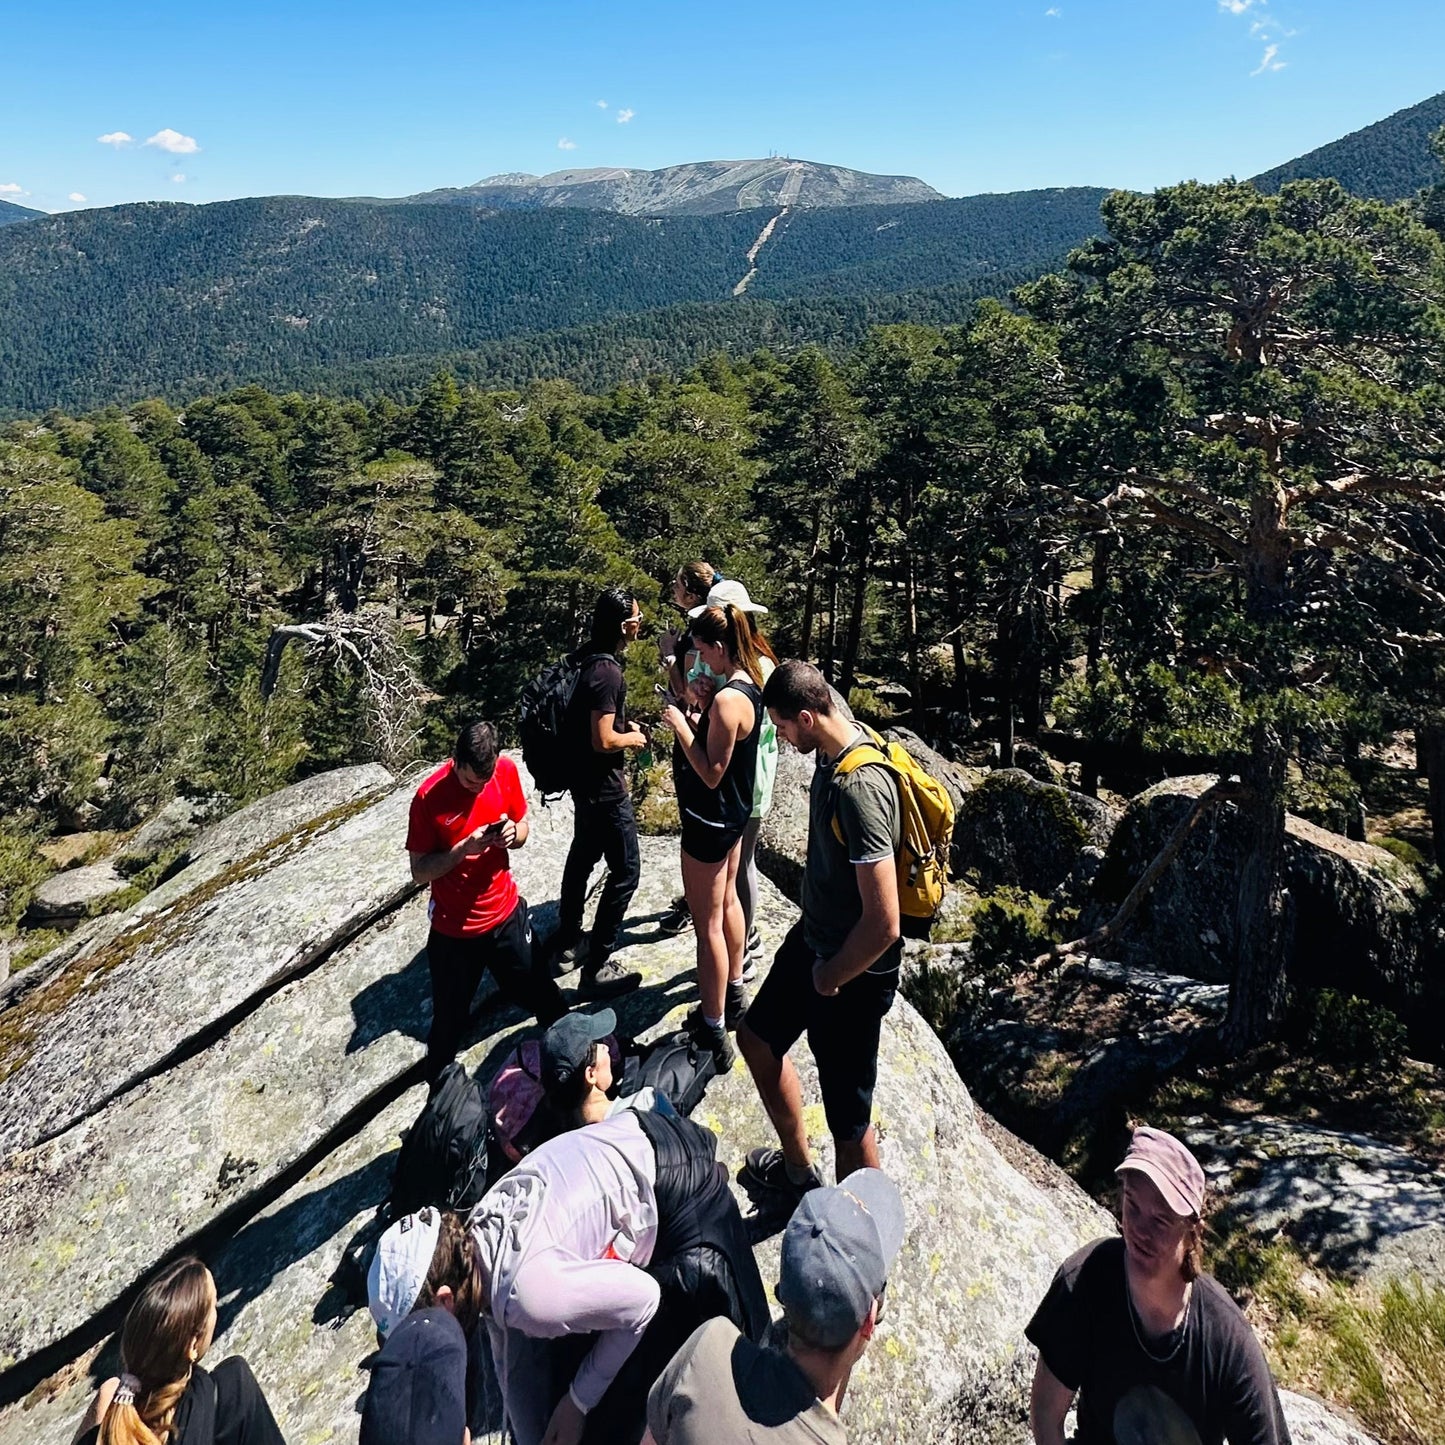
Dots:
{"x": 748, "y": 874}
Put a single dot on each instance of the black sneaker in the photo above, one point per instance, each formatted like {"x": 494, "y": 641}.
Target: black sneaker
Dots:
{"x": 714, "y": 1038}
{"x": 735, "y": 1005}
{"x": 608, "y": 980}
{"x": 766, "y": 1170}
{"x": 677, "y": 919}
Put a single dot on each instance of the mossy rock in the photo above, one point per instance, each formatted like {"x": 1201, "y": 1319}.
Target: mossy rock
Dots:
{"x": 1015, "y": 831}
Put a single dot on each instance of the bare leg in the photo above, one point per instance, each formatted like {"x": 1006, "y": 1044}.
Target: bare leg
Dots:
{"x": 860, "y": 1155}
{"x": 781, "y": 1093}
{"x": 735, "y": 928}
{"x": 704, "y": 884}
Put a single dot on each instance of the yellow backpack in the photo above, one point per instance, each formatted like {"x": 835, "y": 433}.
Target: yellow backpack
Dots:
{"x": 927, "y": 816}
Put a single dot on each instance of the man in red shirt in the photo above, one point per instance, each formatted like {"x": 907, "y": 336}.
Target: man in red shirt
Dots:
{"x": 464, "y": 820}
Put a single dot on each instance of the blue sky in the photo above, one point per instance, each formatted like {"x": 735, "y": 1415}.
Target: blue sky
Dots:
{"x": 364, "y": 98}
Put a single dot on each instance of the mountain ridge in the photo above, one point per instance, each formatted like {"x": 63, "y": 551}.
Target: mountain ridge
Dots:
{"x": 1388, "y": 160}
{"x": 695, "y": 188}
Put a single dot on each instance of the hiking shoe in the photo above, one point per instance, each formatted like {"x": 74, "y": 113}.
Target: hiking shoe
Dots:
{"x": 677, "y": 919}
{"x": 714, "y": 1038}
{"x": 767, "y": 1170}
{"x": 752, "y": 956}
{"x": 607, "y": 980}
{"x": 735, "y": 1005}
{"x": 564, "y": 957}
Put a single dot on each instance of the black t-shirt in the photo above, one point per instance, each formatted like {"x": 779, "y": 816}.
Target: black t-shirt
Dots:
{"x": 1087, "y": 1332}
{"x": 601, "y": 777}
{"x": 223, "y": 1406}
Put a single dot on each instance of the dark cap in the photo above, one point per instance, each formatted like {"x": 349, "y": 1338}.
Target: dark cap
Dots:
{"x": 418, "y": 1389}
{"x": 569, "y": 1044}
{"x": 837, "y": 1251}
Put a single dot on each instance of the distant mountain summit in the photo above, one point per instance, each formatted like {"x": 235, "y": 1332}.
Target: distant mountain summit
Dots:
{"x": 703, "y": 188}
{"x": 1387, "y": 161}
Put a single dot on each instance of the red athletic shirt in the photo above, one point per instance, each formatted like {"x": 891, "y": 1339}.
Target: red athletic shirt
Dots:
{"x": 479, "y": 893}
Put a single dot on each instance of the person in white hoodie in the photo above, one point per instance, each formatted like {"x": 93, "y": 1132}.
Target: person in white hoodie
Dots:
{"x": 572, "y": 1258}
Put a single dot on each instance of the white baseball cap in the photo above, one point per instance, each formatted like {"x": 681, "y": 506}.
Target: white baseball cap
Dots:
{"x": 721, "y": 593}
{"x": 400, "y": 1266}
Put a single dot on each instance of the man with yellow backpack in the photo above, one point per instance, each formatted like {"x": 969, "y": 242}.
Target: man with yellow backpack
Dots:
{"x": 878, "y": 838}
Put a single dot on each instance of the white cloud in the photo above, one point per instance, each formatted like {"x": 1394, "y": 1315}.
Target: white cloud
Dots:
{"x": 623, "y": 116}
{"x": 174, "y": 142}
{"x": 566, "y": 145}
{"x": 116, "y": 138}
{"x": 1054, "y": 11}
{"x": 179, "y": 178}
{"x": 10, "y": 188}
{"x": 601, "y": 105}
{"x": 1268, "y": 61}
{"x": 1238, "y": 7}
{"x": 75, "y": 196}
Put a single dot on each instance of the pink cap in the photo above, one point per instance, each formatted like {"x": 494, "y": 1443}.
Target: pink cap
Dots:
{"x": 1173, "y": 1169}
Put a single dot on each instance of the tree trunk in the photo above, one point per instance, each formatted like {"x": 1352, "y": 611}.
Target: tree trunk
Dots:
{"x": 1004, "y": 682}
{"x": 1257, "y": 993}
{"x": 862, "y": 550}
{"x": 805, "y": 632}
{"x": 829, "y": 644}
{"x": 962, "y": 700}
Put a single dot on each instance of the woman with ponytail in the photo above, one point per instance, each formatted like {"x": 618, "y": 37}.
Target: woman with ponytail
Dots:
{"x": 163, "y": 1396}
{"x": 715, "y": 800}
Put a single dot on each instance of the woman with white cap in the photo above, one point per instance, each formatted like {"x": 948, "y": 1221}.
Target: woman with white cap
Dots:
{"x": 1156, "y": 1352}
{"x": 715, "y": 801}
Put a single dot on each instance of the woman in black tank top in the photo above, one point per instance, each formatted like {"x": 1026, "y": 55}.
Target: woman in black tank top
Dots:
{"x": 715, "y": 799}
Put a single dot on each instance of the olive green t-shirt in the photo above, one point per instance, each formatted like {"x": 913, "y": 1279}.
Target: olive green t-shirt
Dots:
{"x": 721, "y": 1389}
{"x": 865, "y": 802}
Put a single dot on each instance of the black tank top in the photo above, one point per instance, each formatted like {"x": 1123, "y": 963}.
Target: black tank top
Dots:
{"x": 730, "y": 804}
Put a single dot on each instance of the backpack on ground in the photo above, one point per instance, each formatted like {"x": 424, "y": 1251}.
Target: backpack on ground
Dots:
{"x": 674, "y": 1066}
{"x": 444, "y": 1159}
{"x": 927, "y": 832}
{"x": 550, "y": 755}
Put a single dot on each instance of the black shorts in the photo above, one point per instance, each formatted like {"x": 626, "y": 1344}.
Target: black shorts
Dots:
{"x": 842, "y": 1031}
{"x": 708, "y": 842}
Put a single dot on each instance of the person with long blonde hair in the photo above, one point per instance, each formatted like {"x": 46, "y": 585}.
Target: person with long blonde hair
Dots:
{"x": 715, "y": 800}
{"x": 162, "y": 1395}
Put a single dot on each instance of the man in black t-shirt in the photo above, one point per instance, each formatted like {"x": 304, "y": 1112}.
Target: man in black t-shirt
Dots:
{"x": 1154, "y": 1349}
{"x": 604, "y": 826}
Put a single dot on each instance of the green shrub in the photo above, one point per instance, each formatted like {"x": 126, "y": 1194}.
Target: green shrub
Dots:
{"x": 1405, "y": 852}
{"x": 21, "y": 868}
{"x": 1010, "y": 929}
{"x": 1328, "y": 797}
{"x": 936, "y": 993}
{"x": 869, "y": 708}
{"x": 1350, "y": 1033}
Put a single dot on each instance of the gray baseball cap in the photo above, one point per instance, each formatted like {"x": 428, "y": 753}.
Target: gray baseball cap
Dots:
{"x": 837, "y": 1251}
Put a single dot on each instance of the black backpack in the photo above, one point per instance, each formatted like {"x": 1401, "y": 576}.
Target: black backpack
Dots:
{"x": 675, "y": 1066}
{"x": 550, "y": 755}
{"x": 444, "y": 1159}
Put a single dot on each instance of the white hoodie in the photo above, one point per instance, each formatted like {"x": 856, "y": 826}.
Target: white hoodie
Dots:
{"x": 563, "y": 1241}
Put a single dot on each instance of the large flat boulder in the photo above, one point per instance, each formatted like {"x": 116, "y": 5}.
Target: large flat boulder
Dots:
{"x": 270, "y": 825}
{"x": 1354, "y": 905}
{"x": 1015, "y": 831}
{"x": 116, "y": 1015}
{"x": 783, "y": 838}
{"x": 165, "y": 1160}
{"x": 241, "y": 833}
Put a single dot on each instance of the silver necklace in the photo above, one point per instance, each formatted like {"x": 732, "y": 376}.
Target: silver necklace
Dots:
{"x": 1177, "y": 1334}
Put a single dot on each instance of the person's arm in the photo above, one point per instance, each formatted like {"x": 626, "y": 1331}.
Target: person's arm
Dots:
{"x": 98, "y": 1406}
{"x": 606, "y": 738}
{"x": 730, "y": 711}
{"x": 606, "y": 1297}
{"x": 428, "y": 867}
{"x": 1049, "y": 1402}
{"x": 875, "y": 932}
